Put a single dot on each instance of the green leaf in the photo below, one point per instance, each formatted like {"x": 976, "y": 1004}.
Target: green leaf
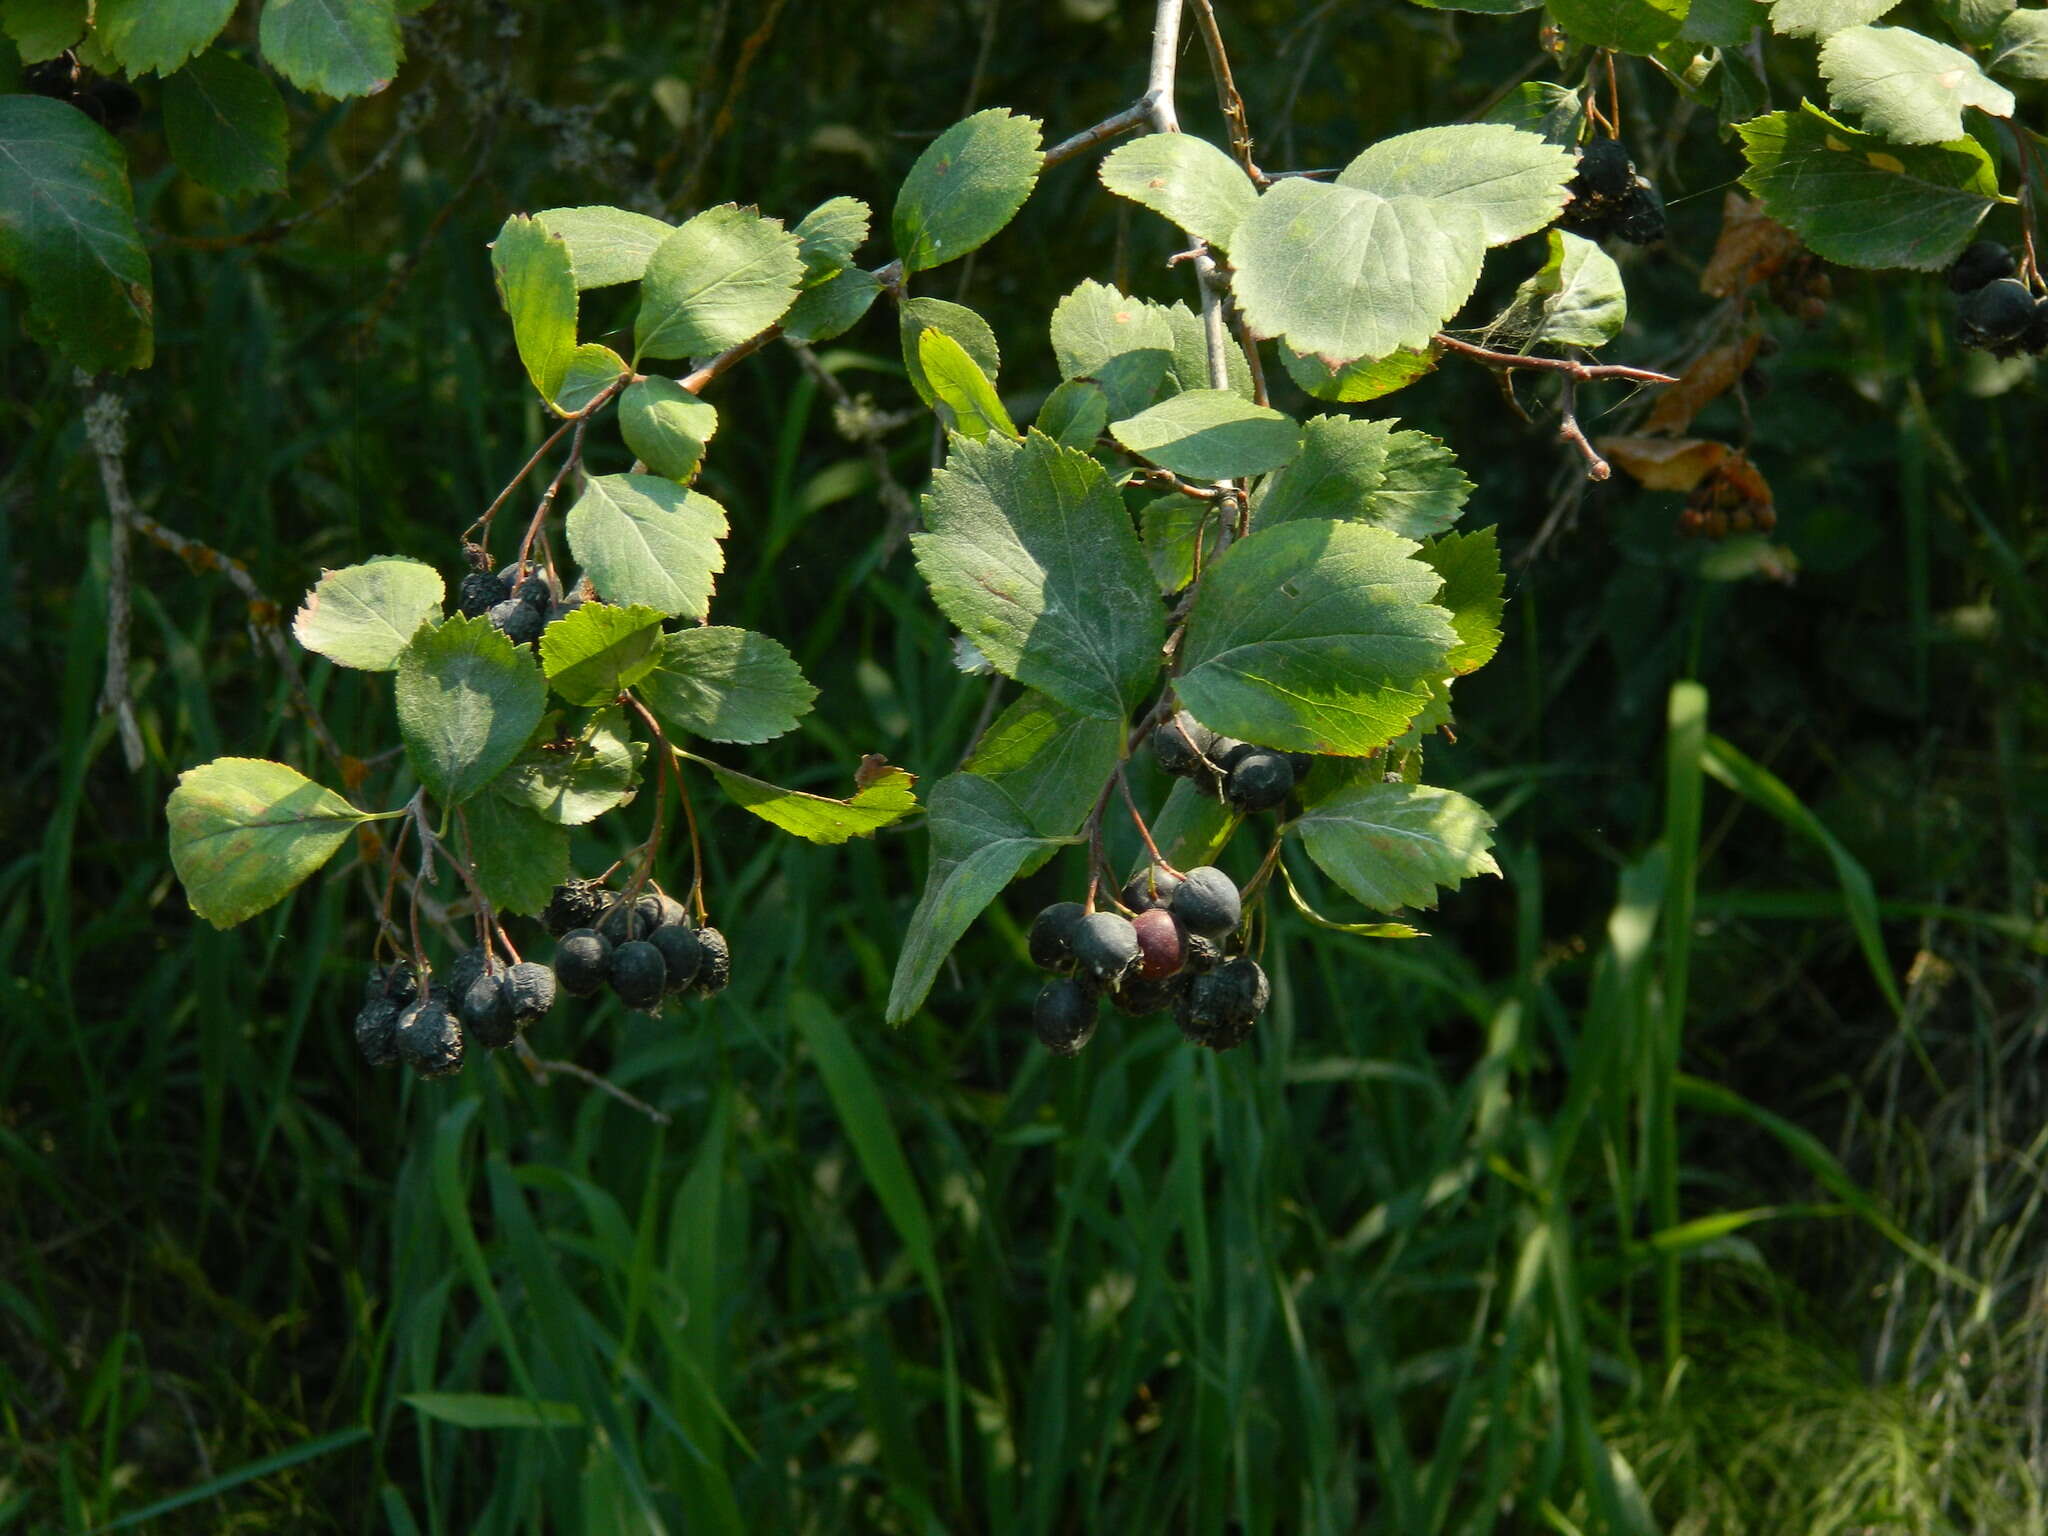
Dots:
{"x": 518, "y": 858}
{"x": 1724, "y": 24}
{"x": 1210, "y": 434}
{"x": 539, "y": 292}
{"x": 160, "y": 35}
{"x": 828, "y": 236}
{"x": 42, "y": 29}
{"x": 1362, "y": 930}
{"x": 574, "y": 783}
{"x": 727, "y": 684}
{"x": 225, "y": 122}
{"x": 642, "y": 539}
{"x": 1553, "y": 112}
{"x": 607, "y": 246}
{"x": 1169, "y": 528}
{"x": 594, "y": 653}
{"x": 1189, "y": 368}
{"x": 981, "y": 839}
{"x": 1575, "y": 300}
{"x": 1050, "y": 760}
{"x": 956, "y": 321}
{"x": 1861, "y": 201}
{"x": 1820, "y": 18}
{"x": 1364, "y": 471}
{"x": 331, "y": 47}
{"x": 593, "y": 369}
{"x": 1905, "y": 87}
{"x": 68, "y": 235}
{"x": 1185, "y": 179}
{"x": 365, "y": 615}
{"x": 1975, "y": 21}
{"x": 1191, "y": 828}
{"x": 479, "y": 1410}
{"x": 666, "y": 425}
{"x": 467, "y": 701}
{"x": 1075, "y": 414}
{"x": 967, "y": 185}
{"x": 1342, "y": 273}
{"x": 816, "y": 818}
{"x": 1029, "y": 552}
{"x": 1470, "y": 566}
{"x": 1120, "y": 343}
{"x": 1393, "y": 845}
{"x": 1630, "y": 26}
{"x": 1314, "y": 636}
{"x": 967, "y": 400}
{"x": 245, "y": 831}
{"x": 832, "y": 308}
{"x": 717, "y": 280}
{"x": 2022, "y": 46}
{"x": 1356, "y": 382}
{"x": 1510, "y": 180}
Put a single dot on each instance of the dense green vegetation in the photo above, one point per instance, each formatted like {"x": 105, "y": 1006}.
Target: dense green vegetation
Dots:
{"x": 1684, "y": 1179}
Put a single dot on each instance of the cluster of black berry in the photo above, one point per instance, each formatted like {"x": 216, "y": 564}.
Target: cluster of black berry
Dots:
{"x": 644, "y": 948}
{"x": 1610, "y": 198}
{"x": 484, "y": 999}
{"x": 519, "y": 606}
{"x": 1171, "y": 953}
{"x": 1223, "y": 768}
{"x": 1997, "y": 311}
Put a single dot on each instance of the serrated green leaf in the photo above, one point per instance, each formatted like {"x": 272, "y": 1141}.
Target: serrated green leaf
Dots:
{"x": 1210, "y": 434}
{"x": 981, "y": 840}
{"x": 1629, "y": 26}
{"x": 1169, "y": 528}
{"x": 726, "y": 684}
{"x": 1314, "y": 636}
{"x": 245, "y": 831}
{"x": 957, "y": 321}
{"x": 538, "y": 290}
{"x": 2021, "y": 46}
{"x": 68, "y": 235}
{"x": 1051, "y": 761}
{"x": 1975, "y": 21}
{"x": 1029, "y": 552}
{"x": 146, "y": 35}
{"x": 832, "y": 308}
{"x": 467, "y": 700}
{"x": 595, "y": 652}
{"x": 518, "y": 858}
{"x": 331, "y": 47}
{"x": 1185, "y": 179}
{"x": 828, "y": 236}
{"x": 1075, "y": 414}
{"x": 1907, "y": 88}
{"x": 1470, "y": 566}
{"x": 666, "y": 425}
{"x": 1394, "y": 845}
{"x": 593, "y": 369}
{"x": 1121, "y": 344}
{"x": 816, "y": 818}
{"x": 1365, "y": 471}
{"x": 1724, "y": 24}
{"x": 1862, "y": 201}
{"x": 1820, "y": 18}
{"x": 226, "y": 123}
{"x": 967, "y": 400}
{"x": 1553, "y": 112}
{"x": 716, "y": 281}
{"x": 1356, "y": 382}
{"x": 478, "y": 1410}
{"x": 42, "y": 29}
{"x": 642, "y": 539}
{"x": 1510, "y": 180}
{"x": 577, "y": 782}
{"x": 1575, "y": 300}
{"x": 1189, "y": 367}
{"x": 1342, "y": 273}
{"x": 365, "y": 615}
{"x": 965, "y": 187}
{"x": 606, "y": 245}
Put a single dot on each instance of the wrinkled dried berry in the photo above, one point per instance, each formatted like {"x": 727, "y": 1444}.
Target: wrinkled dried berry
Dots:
{"x": 536, "y": 593}
{"x": 1604, "y": 169}
{"x": 1219, "y": 1009}
{"x": 1178, "y": 745}
{"x": 575, "y": 904}
{"x": 1063, "y": 1017}
{"x": 529, "y": 992}
{"x": 479, "y": 593}
{"x": 486, "y": 1013}
{"x": 1259, "y": 780}
{"x": 1984, "y": 262}
{"x": 583, "y": 961}
{"x": 1139, "y": 997}
{"x": 681, "y": 954}
{"x": 377, "y": 1031}
{"x": 395, "y": 981}
{"x": 518, "y": 622}
{"x": 1162, "y": 944}
{"x": 429, "y": 1038}
{"x": 1150, "y": 887}
{"x": 468, "y": 965}
{"x": 1202, "y": 954}
{"x": 1641, "y": 217}
{"x": 1052, "y": 934}
{"x": 1208, "y": 903}
{"x": 1105, "y": 945}
{"x": 716, "y": 972}
{"x": 639, "y": 974}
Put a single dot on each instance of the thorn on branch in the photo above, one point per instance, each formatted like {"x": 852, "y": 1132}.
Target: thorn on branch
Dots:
{"x": 1571, "y": 368}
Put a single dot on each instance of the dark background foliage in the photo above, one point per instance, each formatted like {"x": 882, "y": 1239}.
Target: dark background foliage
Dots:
{"x": 1384, "y": 1269}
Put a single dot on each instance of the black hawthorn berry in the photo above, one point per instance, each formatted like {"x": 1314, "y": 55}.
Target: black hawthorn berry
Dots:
{"x": 1301, "y": 763}
{"x": 1162, "y": 944}
{"x": 1150, "y": 887}
{"x": 668, "y": 911}
{"x": 1259, "y": 780}
{"x": 1202, "y": 954}
{"x": 1640, "y": 219}
{"x": 536, "y": 593}
{"x": 1228, "y": 752}
{"x": 1208, "y": 775}
{"x": 1178, "y": 745}
{"x": 486, "y": 1013}
{"x": 529, "y": 992}
{"x": 716, "y": 972}
{"x": 1219, "y": 1009}
{"x": 1208, "y": 903}
{"x": 575, "y": 904}
{"x": 1984, "y": 262}
{"x": 635, "y": 919}
{"x": 518, "y": 622}
{"x": 469, "y": 965}
{"x": 639, "y": 974}
{"x": 1997, "y": 313}
{"x": 429, "y": 1038}
{"x": 479, "y": 593}
{"x": 2035, "y": 338}
{"x": 1140, "y": 995}
{"x": 681, "y": 954}
{"x": 395, "y": 981}
{"x": 583, "y": 961}
{"x": 377, "y": 1031}
{"x": 1604, "y": 169}
{"x": 1063, "y": 1017}
{"x": 1105, "y": 944}
{"x": 1052, "y": 935}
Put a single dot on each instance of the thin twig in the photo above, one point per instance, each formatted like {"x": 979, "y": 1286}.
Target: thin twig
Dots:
{"x": 1165, "y": 59}
{"x": 695, "y": 381}
{"x": 1134, "y": 116}
{"x": 542, "y": 1069}
{"x": 1226, "y": 91}
{"x": 1568, "y": 430}
{"x": 665, "y": 765}
{"x": 1138, "y": 821}
{"x": 106, "y": 431}
{"x": 1565, "y": 365}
